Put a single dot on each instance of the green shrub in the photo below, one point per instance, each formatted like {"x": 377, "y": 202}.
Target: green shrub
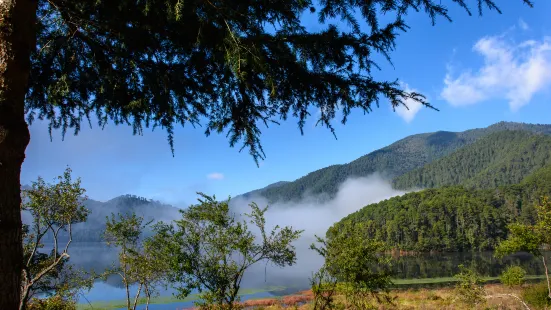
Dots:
{"x": 52, "y": 303}
{"x": 513, "y": 275}
{"x": 537, "y": 295}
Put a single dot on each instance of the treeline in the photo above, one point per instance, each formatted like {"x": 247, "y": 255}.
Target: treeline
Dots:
{"x": 451, "y": 218}
{"x": 501, "y": 158}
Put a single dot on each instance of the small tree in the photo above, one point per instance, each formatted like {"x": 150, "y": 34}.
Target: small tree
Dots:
{"x": 53, "y": 208}
{"x": 530, "y": 238}
{"x": 138, "y": 260}
{"x": 358, "y": 264}
{"x": 211, "y": 249}
{"x": 469, "y": 288}
{"x": 324, "y": 287}
{"x": 151, "y": 268}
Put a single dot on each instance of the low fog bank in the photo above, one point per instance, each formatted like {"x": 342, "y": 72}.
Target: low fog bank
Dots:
{"x": 314, "y": 218}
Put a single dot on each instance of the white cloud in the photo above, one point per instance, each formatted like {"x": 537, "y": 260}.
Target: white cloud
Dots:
{"x": 512, "y": 72}
{"x": 215, "y": 176}
{"x": 523, "y": 25}
{"x": 408, "y": 114}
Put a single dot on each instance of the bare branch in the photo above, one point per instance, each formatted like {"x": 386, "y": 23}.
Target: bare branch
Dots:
{"x": 49, "y": 268}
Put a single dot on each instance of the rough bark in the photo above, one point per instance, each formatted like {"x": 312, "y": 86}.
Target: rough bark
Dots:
{"x": 17, "y": 39}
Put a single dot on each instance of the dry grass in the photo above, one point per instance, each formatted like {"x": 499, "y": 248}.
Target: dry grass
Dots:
{"x": 498, "y": 297}
{"x": 298, "y": 301}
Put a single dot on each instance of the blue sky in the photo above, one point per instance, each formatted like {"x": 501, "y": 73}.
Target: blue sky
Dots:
{"x": 476, "y": 70}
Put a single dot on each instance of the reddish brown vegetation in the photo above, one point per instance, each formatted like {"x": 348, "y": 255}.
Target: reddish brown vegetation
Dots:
{"x": 286, "y": 301}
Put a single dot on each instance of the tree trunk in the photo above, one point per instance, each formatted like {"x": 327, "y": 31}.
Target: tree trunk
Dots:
{"x": 148, "y": 297}
{"x": 546, "y": 275}
{"x": 17, "y": 40}
{"x": 137, "y": 297}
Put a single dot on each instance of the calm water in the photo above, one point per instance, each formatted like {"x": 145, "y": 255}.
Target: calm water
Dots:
{"x": 446, "y": 264}
{"x": 98, "y": 256}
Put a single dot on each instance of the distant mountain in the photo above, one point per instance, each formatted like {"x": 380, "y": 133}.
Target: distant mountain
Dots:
{"x": 397, "y": 159}
{"x": 500, "y": 158}
{"x": 92, "y": 229}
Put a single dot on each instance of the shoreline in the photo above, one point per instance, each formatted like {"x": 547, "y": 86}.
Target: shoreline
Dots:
{"x": 398, "y": 285}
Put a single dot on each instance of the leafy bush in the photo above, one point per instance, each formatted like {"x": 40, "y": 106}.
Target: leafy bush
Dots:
{"x": 537, "y": 295}
{"x": 52, "y": 303}
{"x": 469, "y": 289}
{"x": 513, "y": 275}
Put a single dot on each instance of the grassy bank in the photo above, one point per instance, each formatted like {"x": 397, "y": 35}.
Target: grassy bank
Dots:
{"x": 429, "y": 293}
{"x": 446, "y": 281}
{"x": 445, "y": 298}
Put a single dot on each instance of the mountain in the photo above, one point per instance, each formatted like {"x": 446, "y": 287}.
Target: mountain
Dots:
{"x": 258, "y": 191}
{"x": 397, "y": 159}
{"x": 450, "y": 218}
{"x": 500, "y": 158}
{"x": 92, "y": 229}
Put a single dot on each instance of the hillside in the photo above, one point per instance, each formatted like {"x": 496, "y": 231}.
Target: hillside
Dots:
{"x": 92, "y": 229}
{"x": 500, "y": 158}
{"x": 392, "y": 161}
{"x": 258, "y": 191}
{"x": 444, "y": 219}
{"x": 450, "y": 218}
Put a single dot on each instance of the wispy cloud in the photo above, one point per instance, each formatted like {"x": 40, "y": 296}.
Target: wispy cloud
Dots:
{"x": 408, "y": 114}
{"x": 215, "y": 176}
{"x": 511, "y": 72}
{"x": 523, "y": 25}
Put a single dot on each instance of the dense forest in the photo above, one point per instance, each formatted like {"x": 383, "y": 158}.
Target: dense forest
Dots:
{"x": 450, "y": 218}
{"x": 501, "y": 158}
{"x": 399, "y": 158}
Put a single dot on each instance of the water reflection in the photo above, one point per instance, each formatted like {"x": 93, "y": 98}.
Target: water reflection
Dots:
{"x": 98, "y": 257}
{"x": 446, "y": 264}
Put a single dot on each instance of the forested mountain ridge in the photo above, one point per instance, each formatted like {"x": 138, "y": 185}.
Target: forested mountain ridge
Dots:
{"x": 258, "y": 191}
{"x": 450, "y": 218}
{"x": 392, "y": 161}
{"x": 500, "y": 158}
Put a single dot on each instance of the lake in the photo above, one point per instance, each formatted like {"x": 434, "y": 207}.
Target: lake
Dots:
{"x": 266, "y": 281}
